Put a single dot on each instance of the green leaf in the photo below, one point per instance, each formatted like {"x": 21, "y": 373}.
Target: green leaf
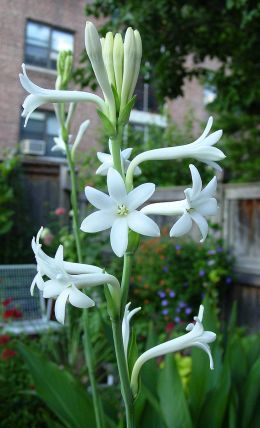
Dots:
{"x": 251, "y": 394}
{"x": 117, "y": 100}
{"x": 132, "y": 350}
{"x": 216, "y": 401}
{"x": 172, "y": 398}
{"x": 63, "y": 394}
{"x": 109, "y": 128}
{"x": 125, "y": 113}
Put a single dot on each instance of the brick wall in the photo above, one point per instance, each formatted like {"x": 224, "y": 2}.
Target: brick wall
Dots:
{"x": 67, "y": 14}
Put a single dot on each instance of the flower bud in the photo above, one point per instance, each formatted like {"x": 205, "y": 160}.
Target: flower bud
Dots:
{"x": 138, "y": 45}
{"x": 129, "y": 65}
{"x": 94, "y": 51}
{"x": 108, "y": 57}
{"x": 118, "y": 58}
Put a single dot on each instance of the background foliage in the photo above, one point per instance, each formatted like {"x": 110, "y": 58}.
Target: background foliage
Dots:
{"x": 227, "y": 31}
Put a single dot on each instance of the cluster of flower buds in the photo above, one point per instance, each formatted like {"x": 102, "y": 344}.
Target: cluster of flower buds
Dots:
{"x": 64, "y": 69}
{"x": 116, "y": 65}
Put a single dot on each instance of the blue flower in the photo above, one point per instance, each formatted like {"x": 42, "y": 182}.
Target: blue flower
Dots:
{"x": 162, "y": 294}
{"x": 202, "y": 272}
{"x": 228, "y": 280}
{"x": 172, "y": 294}
{"x": 177, "y": 247}
{"x": 211, "y": 252}
{"x": 177, "y": 319}
{"x": 165, "y": 268}
{"x": 188, "y": 311}
{"x": 182, "y": 304}
{"x": 165, "y": 302}
{"x": 165, "y": 311}
{"x": 219, "y": 249}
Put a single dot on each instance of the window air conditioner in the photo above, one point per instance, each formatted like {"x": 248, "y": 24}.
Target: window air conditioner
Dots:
{"x": 33, "y": 147}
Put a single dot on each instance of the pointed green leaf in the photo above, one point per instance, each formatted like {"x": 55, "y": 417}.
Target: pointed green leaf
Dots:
{"x": 108, "y": 127}
{"x": 64, "y": 395}
{"x": 171, "y": 395}
{"x": 251, "y": 394}
{"x": 125, "y": 113}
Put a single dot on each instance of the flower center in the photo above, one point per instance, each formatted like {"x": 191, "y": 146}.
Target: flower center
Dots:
{"x": 122, "y": 210}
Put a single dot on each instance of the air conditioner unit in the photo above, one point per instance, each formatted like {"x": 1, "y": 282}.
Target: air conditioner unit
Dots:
{"x": 33, "y": 147}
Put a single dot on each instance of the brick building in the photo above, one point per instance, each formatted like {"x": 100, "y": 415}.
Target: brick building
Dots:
{"x": 33, "y": 32}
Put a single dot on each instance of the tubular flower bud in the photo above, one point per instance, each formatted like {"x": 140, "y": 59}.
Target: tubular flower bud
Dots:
{"x": 129, "y": 65}
{"x": 118, "y": 57}
{"x": 107, "y": 50}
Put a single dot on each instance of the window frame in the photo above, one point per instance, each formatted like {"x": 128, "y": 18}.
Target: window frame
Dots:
{"x": 45, "y": 136}
{"x": 52, "y": 28}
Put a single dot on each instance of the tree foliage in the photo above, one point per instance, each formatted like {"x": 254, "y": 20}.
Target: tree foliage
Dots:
{"x": 226, "y": 30}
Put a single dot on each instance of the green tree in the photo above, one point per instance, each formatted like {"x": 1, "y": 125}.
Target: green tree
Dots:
{"x": 225, "y": 30}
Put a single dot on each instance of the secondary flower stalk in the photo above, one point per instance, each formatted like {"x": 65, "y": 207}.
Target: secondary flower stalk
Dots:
{"x": 196, "y": 336}
{"x": 201, "y": 149}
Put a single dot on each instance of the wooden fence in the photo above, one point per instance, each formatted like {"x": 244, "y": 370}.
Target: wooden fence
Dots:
{"x": 238, "y": 217}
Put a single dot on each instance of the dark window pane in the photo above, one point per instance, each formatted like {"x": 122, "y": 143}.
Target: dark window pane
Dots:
{"x": 36, "y": 55}
{"x": 35, "y": 129}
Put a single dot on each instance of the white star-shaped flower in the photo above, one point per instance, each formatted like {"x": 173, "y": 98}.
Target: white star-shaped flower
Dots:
{"x": 118, "y": 211}
{"x": 107, "y": 161}
{"x": 198, "y": 204}
{"x": 65, "y": 279}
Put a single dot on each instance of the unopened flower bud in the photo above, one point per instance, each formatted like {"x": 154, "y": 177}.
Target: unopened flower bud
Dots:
{"x": 129, "y": 65}
{"x": 108, "y": 57}
{"x": 118, "y": 57}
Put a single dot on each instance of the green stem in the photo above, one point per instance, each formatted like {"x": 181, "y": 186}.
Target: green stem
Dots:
{"x": 123, "y": 373}
{"x": 98, "y": 409}
{"x": 128, "y": 261}
{"x": 116, "y": 153}
{"x": 89, "y": 356}
{"x": 74, "y": 202}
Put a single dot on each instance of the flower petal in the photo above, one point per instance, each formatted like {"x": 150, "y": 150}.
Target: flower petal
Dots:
{"x": 53, "y": 288}
{"x": 139, "y": 195}
{"x": 208, "y": 207}
{"x": 205, "y": 348}
{"x": 103, "y": 169}
{"x": 142, "y": 224}
{"x": 119, "y": 236}
{"x": 99, "y": 199}
{"x": 104, "y": 157}
{"x": 202, "y": 224}
{"x": 182, "y": 226}
{"x": 116, "y": 185}
{"x": 60, "y": 305}
{"x": 196, "y": 182}
{"x": 210, "y": 189}
{"x": 97, "y": 221}
{"x": 79, "y": 299}
{"x": 126, "y": 153}
{"x": 59, "y": 254}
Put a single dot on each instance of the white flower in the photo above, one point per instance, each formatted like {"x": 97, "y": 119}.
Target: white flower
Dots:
{"x": 60, "y": 144}
{"x": 126, "y": 325}
{"x": 196, "y": 337}
{"x": 198, "y": 203}
{"x": 39, "y": 96}
{"x": 107, "y": 161}
{"x": 118, "y": 211}
{"x": 65, "y": 279}
{"x": 202, "y": 149}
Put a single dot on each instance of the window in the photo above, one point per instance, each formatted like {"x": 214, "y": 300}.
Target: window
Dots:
{"x": 145, "y": 97}
{"x": 42, "y": 126}
{"x": 43, "y": 43}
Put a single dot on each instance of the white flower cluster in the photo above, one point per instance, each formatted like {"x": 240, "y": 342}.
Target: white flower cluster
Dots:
{"x": 116, "y": 65}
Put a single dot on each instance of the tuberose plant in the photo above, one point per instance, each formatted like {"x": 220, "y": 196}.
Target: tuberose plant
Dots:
{"x": 116, "y": 65}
